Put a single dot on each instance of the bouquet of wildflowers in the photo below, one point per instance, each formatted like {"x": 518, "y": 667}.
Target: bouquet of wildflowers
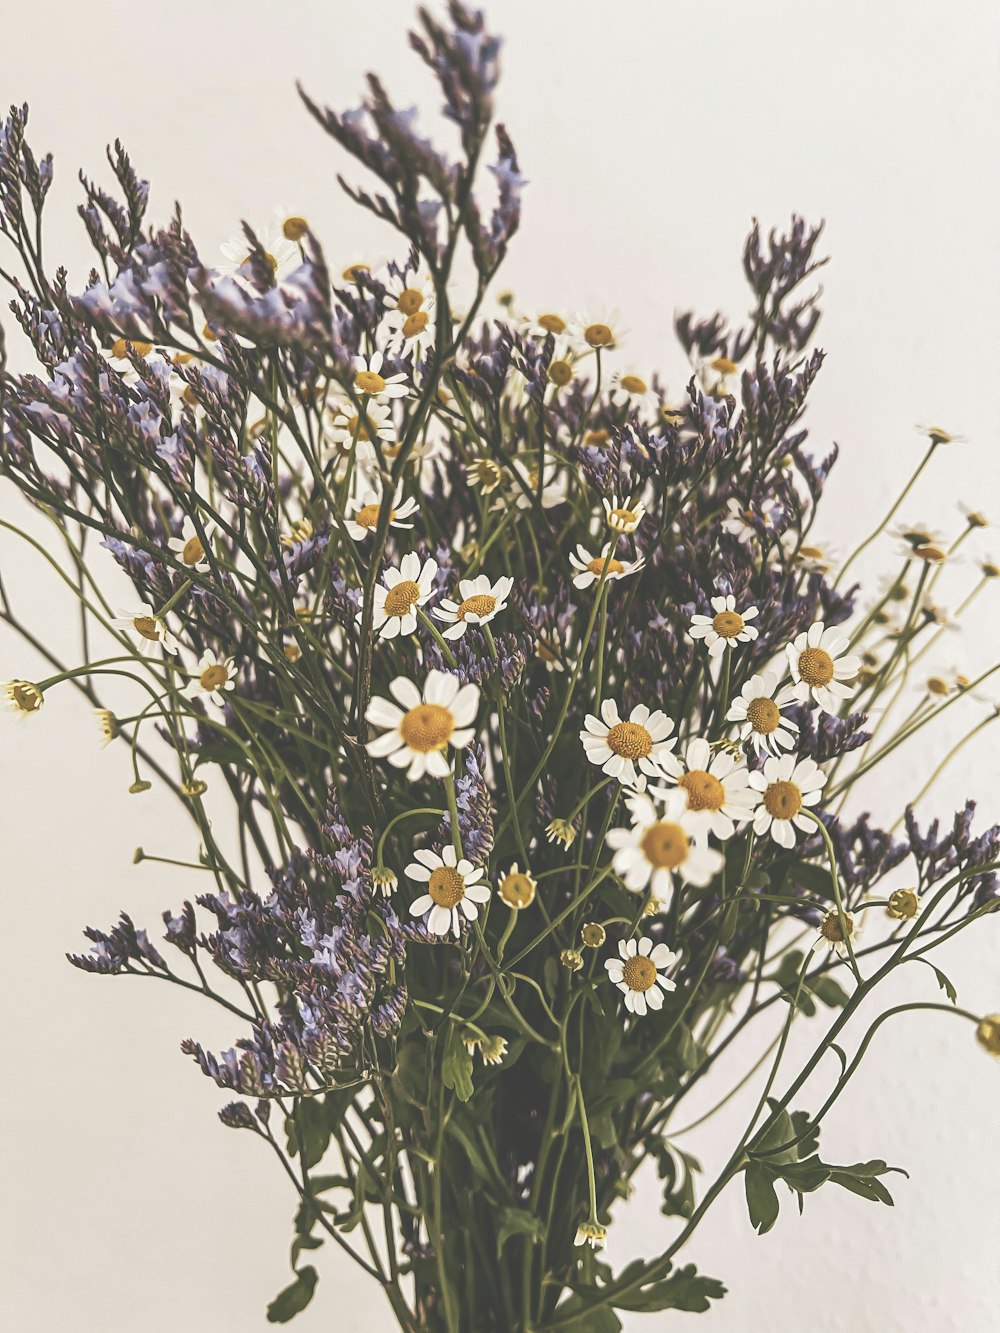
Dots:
{"x": 545, "y": 720}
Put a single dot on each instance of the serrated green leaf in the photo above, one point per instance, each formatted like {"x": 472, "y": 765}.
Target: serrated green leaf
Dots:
{"x": 944, "y": 983}
{"x": 683, "y": 1290}
{"x": 294, "y": 1299}
{"x": 456, "y": 1065}
{"x": 762, "y": 1197}
{"x": 518, "y": 1222}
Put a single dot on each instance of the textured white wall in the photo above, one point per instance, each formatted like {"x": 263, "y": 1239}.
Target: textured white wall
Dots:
{"x": 651, "y": 133}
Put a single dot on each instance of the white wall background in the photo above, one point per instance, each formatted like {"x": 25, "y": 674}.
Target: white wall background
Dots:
{"x": 650, "y": 133}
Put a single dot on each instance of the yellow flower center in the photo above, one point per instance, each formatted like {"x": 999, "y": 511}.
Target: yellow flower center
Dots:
{"x": 552, "y": 323}
{"x": 816, "y": 666}
{"x": 665, "y": 845}
{"x": 597, "y": 439}
{"x": 213, "y": 677}
{"x": 598, "y": 335}
{"x": 367, "y": 515}
{"x": 446, "y": 887}
{"x": 292, "y": 652}
{"x": 148, "y": 627}
{"x": 427, "y": 727}
{"x": 560, "y": 373}
{"x": 25, "y": 696}
{"x": 354, "y": 271}
{"x": 705, "y": 792}
{"x": 930, "y": 552}
{"x": 121, "y": 346}
{"x": 630, "y": 740}
{"x": 415, "y": 323}
{"x": 294, "y": 228}
{"x": 728, "y": 624}
{"x": 410, "y": 300}
{"x": 546, "y": 653}
{"x": 724, "y": 365}
{"x": 593, "y": 934}
{"x": 936, "y": 685}
{"x": 355, "y": 428}
{"x": 596, "y": 566}
{"x": 939, "y": 436}
{"x": 763, "y": 715}
{"x": 480, "y": 605}
{"x": 903, "y": 905}
{"x": 782, "y": 800}
{"x": 639, "y": 973}
{"x": 831, "y": 929}
{"x": 402, "y": 598}
{"x": 369, "y": 381}
{"x": 517, "y": 890}
{"x": 193, "y": 551}
{"x": 988, "y": 1033}
{"x": 622, "y": 518}
{"x": 811, "y": 553}
{"x": 633, "y": 384}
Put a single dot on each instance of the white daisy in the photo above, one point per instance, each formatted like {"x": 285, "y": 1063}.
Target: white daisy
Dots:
{"x": 591, "y": 567}
{"x": 362, "y": 514}
{"x": 639, "y": 973}
{"x": 836, "y": 934}
{"x": 368, "y": 379}
{"x": 481, "y": 602}
{"x": 214, "y": 676}
{"x": 553, "y": 486}
{"x": 660, "y": 846}
{"x": 598, "y": 329}
{"x": 716, "y": 373}
{"x": 630, "y": 390}
{"x": 454, "y": 887}
{"x": 406, "y": 293}
{"x": 349, "y": 425}
{"x": 118, "y": 357}
{"x": 819, "y": 666}
{"x": 399, "y": 594}
{"x": 151, "y": 631}
{"x": 417, "y": 735}
{"x": 410, "y": 334}
{"x": 22, "y": 697}
{"x": 617, "y": 747}
{"x": 726, "y": 628}
{"x": 786, "y": 787}
{"x": 484, "y": 473}
{"x": 718, "y": 786}
{"x": 623, "y": 515}
{"x": 188, "y": 546}
{"x": 281, "y": 254}
{"x": 758, "y": 712}
{"x": 810, "y": 557}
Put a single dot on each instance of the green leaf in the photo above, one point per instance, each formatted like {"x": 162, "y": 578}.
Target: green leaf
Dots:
{"x": 518, "y": 1222}
{"x": 805, "y": 1176}
{"x": 944, "y": 983}
{"x": 409, "y": 1078}
{"x": 309, "y": 1126}
{"x": 762, "y": 1197}
{"x": 456, "y": 1066}
{"x": 829, "y": 991}
{"x": 683, "y": 1290}
{"x": 290, "y": 1302}
{"x": 781, "y": 1131}
{"x": 598, "y": 1319}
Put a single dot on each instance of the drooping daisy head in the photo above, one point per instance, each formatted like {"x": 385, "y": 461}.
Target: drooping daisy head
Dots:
{"x": 662, "y": 846}
{"x": 517, "y": 888}
{"x": 481, "y": 601}
{"x": 903, "y": 904}
{"x": 369, "y": 380}
{"x": 418, "y": 728}
{"x": 839, "y": 932}
{"x": 988, "y": 1033}
{"x": 485, "y": 474}
{"x": 188, "y": 547}
{"x": 454, "y": 888}
{"x": 22, "y": 697}
{"x": 820, "y": 664}
{"x": 639, "y": 972}
{"x": 623, "y": 515}
{"x": 726, "y": 627}
{"x": 758, "y": 712}
{"x": 717, "y": 785}
{"x": 624, "y": 748}
{"x": 590, "y": 1233}
{"x": 787, "y": 788}
{"x": 399, "y": 594}
{"x": 213, "y": 677}
{"x": 590, "y": 567}
{"x": 362, "y": 516}
{"x": 149, "y": 629}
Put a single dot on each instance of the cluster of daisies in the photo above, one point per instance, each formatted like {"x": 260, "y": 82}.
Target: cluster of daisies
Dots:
{"x": 682, "y": 803}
